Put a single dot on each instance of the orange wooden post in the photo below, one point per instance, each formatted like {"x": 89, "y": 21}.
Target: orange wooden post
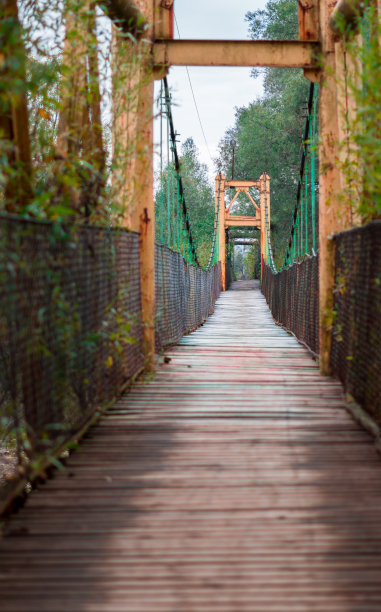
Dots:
{"x": 136, "y": 124}
{"x": 308, "y": 22}
{"x": 348, "y": 70}
{"x": 267, "y": 202}
{"x": 332, "y": 213}
{"x": 143, "y": 219}
{"x": 263, "y": 218}
{"x": 220, "y": 201}
{"x": 159, "y": 16}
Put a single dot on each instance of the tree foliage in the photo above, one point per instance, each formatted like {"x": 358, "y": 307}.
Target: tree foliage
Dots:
{"x": 277, "y": 21}
{"x": 199, "y": 199}
{"x": 80, "y": 80}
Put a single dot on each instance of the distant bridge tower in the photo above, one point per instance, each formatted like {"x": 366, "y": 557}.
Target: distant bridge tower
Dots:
{"x": 225, "y": 220}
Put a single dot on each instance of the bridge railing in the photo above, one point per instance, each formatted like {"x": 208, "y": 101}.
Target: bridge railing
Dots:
{"x": 292, "y": 292}
{"x": 185, "y": 292}
{"x": 70, "y": 333}
{"x": 293, "y": 297}
{"x": 185, "y": 295}
{"x": 71, "y": 330}
{"x": 356, "y": 318}
{"x": 346, "y": 332}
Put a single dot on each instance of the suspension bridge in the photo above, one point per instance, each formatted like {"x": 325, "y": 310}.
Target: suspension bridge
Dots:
{"x": 184, "y": 441}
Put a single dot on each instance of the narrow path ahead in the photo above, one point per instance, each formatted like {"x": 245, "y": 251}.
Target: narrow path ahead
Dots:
{"x": 235, "y": 481}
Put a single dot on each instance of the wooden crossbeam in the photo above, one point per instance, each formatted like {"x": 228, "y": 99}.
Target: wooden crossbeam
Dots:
{"x": 242, "y": 184}
{"x": 233, "y": 200}
{"x": 245, "y": 241}
{"x": 250, "y": 198}
{"x": 241, "y": 221}
{"x": 270, "y": 53}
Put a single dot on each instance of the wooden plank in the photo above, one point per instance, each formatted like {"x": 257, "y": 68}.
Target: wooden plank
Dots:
{"x": 239, "y": 483}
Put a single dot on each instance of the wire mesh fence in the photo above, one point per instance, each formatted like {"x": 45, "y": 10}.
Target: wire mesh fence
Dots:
{"x": 293, "y": 298}
{"x": 356, "y": 340}
{"x": 228, "y": 274}
{"x": 70, "y": 324}
{"x": 70, "y": 327}
{"x": 185, "y": 295}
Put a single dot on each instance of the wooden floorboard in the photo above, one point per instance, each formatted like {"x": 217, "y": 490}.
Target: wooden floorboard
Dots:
{"x": 233, "y": 481}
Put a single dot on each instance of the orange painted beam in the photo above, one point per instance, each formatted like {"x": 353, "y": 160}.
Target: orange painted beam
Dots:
{"x": 238, "y": 221}
{"x": 269, "y": 53}
{"x": 242, "y": 184}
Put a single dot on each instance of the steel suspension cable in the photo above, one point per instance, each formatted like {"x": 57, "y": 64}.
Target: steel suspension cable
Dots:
{"x": 215, "y": 230}
{"x": 161, "y": 208}
{"x": 172, "y": 135}
{"x": 313, "y": 156}
{"x": 298, "y": 233}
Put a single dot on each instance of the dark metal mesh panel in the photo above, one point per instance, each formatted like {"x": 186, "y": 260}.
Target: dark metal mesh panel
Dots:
{"x": 356, "y": 341}
{"x": 70, "y": 327}
{"x": 228, "y": 274}
{"x": 293, "y": 298}
{"x": 185, "y": 295}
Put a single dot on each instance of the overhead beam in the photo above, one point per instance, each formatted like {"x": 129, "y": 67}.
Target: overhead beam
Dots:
{"x": 238, "y": 221}
{"x": 270, "y": 53}
{"x": 245, "y": 241}
{"x": 242, "y": 184}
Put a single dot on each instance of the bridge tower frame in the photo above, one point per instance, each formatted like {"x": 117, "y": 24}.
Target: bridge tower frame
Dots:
{"x": 319, "y": 51}
{"x": 226, "y": 220}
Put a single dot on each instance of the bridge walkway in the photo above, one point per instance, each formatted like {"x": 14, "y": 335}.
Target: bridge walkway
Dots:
{"x": 233, "y": 481}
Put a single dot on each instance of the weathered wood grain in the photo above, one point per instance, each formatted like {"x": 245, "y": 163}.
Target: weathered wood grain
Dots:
{"x": 234, "y": 481}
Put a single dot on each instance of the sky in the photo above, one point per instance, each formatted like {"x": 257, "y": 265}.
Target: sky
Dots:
{"x": 218, "y": 91}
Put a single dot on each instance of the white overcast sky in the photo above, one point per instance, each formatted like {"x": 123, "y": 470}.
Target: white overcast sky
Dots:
{"x": 217, "y": 90}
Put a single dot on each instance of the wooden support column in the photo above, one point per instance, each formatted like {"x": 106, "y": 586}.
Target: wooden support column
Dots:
{"x": 163, "y": 19}
{"x": 220, "y": 201}
{"x": 308, "y": 21}
{"x": 263, "y": 219}
{"x": 133, "y": 143}
{"x": 348, "y": 71}
{"x": 332, "y": 217}
{"x": 268, "y": 200}
{"x": 142, "y": 218}
{"x": 134, "y": 129}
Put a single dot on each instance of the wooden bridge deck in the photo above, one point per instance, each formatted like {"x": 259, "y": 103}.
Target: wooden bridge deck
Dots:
{"x": 234, "y": 481}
